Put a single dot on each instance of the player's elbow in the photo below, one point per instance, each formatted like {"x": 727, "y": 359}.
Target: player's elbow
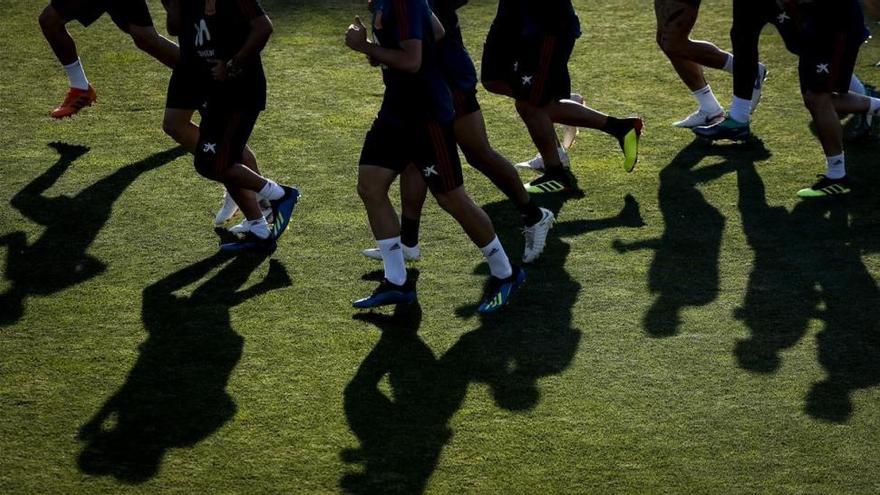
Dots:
{"x": 412, "y": 63}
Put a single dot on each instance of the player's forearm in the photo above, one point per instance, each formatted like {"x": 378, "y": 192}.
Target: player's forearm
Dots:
{"x": 261, "y": 31}
{"x": 406, "y": 59}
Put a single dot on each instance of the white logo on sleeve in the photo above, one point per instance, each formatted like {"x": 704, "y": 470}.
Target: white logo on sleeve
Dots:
{"x": 822, "y": 69}
{"x": 202, "y": 33}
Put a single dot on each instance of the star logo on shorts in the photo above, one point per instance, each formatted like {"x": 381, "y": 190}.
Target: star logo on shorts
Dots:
{"x": 429, "y": 171}
{"x": 781, "y": 18}
{"x": 210, "y": 148}
{"x": 527, "y": 80}
{"x": 822, "y": 69}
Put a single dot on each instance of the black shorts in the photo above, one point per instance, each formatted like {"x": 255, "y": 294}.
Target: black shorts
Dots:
{"x": 535, "y": 68}
{"x": 223, "y": 134}
{"x": 184, "y": 90}
{"x": 124, "y": 13}
{"x": 430, "y": 146}
{"x": 829, "y": 48}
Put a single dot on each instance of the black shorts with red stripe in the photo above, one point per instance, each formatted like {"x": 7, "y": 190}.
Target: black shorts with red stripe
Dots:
{"x": 223, "y": 134}
{"x": 124, "y": 13}
{"x": 429, "y": 145}
{"x": 535, "y": 67}
{"x": 831, "y": 37}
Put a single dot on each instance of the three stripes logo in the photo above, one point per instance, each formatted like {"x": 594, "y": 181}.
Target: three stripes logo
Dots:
{"x": 835, "y": 189}
{"x": 548, "y": 187}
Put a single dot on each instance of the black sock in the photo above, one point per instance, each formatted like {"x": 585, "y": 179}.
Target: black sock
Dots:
{"x": 530, "y": 212}
{"x": 409, "y": 231}
{"x": 617, "y": 127}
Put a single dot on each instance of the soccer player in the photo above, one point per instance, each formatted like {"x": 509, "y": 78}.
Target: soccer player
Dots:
{"x": 526, "y": 58}
{"x": 826, "y": 35}
{"x": 470, "y": 133}
{"x": 131, "y": 16}
{"x": 675, "y": 21}
{"x": 221, "y": 73}
{"x": 415, "y": 126}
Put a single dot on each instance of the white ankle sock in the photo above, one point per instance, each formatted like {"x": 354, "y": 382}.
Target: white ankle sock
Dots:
{"x": 259, "y": 227}
{"x": 836, "y": 166}
{"x": 499, "y": 265}
{"x": 728, "y": 64}
{"x": 707, "y": 100}
{"x": 271, "y": 191}
{"x": 741, "y": 110}
{"x": 875, "y": 106}
{"x": 392, "y": 258}
{"x": 856, "y": 86}
{"x": 76, "y": 75}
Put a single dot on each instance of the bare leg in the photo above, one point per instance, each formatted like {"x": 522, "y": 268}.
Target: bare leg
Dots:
{"x": 147, "y": 39}
{"x": 821, "y": 107}
{"x": 413, "y": 191}
{"x": 373, "y": 185}
{"x": 675, "y": 21}
{"x": 472, "y": 218}
{"x": 542, "y": 132}
{"x": 55, "y": 30}
{"x": 470, "y": 132}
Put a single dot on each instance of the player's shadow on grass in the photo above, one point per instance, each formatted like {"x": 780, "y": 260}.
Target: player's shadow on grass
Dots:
{"x": 59, "y": 258}
{"x": 808, "y": 267}
{"x": 175, "y": 395}
{"x": 403, "y": 426}
{"x": 684, "y": 272}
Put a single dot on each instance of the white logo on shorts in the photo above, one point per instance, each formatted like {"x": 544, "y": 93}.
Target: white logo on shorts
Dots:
{"x": 527, "y": 80}
{"x": 429, "y": 171}
{"x": 822, "y": 69}
{"x": 210, "y": 148}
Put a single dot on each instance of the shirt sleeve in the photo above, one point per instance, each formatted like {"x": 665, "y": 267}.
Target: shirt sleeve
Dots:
{"x": 410, "y": 16}
{"x": 251, "y": 9}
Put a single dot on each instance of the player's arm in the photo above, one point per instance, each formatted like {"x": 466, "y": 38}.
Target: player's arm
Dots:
{"x": 408, "y": 58}
{"x": 258, "y": 37}
{"x": 172, "y": 21}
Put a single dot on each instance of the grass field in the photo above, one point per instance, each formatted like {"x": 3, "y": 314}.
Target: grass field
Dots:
{"x": 691, "y": 328}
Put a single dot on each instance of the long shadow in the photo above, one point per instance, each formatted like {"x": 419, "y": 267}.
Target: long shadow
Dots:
{"x": 402, "y": 433}
{"x": 175, "y": 395}
{"x": 684, "y": 272}
{"x": 805, "y": 268}
{"x": 59, "y": 258}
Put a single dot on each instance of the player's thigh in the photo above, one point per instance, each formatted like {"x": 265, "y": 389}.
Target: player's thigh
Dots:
{"x": 130, "y": 14}
{"x": 675, "y": 19}
{"x": 383, "y": 157}
{"x": 84, "y": 11}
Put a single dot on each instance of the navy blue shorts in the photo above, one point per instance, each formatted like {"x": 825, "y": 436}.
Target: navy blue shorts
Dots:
{"x": 124, "y": 13}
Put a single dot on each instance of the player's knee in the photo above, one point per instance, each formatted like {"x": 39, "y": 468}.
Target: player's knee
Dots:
{"x": 50, "y": 19}
{"x": 207, "y": 167}
{"x": 673, "y": 45}
{"x": 454, "y": 202}
{"x": 370, "y": 193}
{"x": 813, "y": 100}
{"x": 172, "y": 129}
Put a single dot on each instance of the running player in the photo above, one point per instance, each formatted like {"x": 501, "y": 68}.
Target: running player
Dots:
{"x": 526, "y": 58}
{"x": 675, "y": 21}
{"x": 826, "y": 35}
{"x": 131, "y": 16}
{"x": 221, "y": 74}
{"x": 470, "y": 133}
{"x": 415, "y": 127}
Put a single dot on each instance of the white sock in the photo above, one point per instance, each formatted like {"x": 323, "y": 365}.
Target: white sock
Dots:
{"x": 708, "y": 103}
{"x": 836, "y": 166}
{"x": 728, "y": 64}
{"x": 271, "y": 191}
{"x": 392, "y": 258}
{"x": 259, "y": 228}
{"x": 499, "y": 265}
{"x": 76, "y": 75}
{"x": 741, "y": 110}
{"x": 875, "y": 106}
{"x": 856, "y": 86}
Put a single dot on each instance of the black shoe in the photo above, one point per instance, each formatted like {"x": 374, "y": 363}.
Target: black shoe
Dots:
{"x": 826, "y": 187}
{"x": 553, "y": 181}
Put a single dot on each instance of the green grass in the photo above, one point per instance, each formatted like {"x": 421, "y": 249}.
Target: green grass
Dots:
{"x": 638, "y": 358}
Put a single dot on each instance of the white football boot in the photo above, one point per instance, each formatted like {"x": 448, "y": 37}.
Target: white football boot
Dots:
{"x": 536, "y": 236}
{"x": 227, "y": 210}
{"x": 537, "y": 163}
{"x": 409, "y": 253}
{"x": 699, "y": 119}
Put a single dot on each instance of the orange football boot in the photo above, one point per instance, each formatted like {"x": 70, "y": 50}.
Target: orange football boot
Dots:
{"x": 76, "y": 100}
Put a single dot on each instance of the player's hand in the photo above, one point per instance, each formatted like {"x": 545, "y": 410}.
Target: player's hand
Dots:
{"x": 356, "y": 36}
{"x": 218, "y": 71}
{"x": 373, "y": 62}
